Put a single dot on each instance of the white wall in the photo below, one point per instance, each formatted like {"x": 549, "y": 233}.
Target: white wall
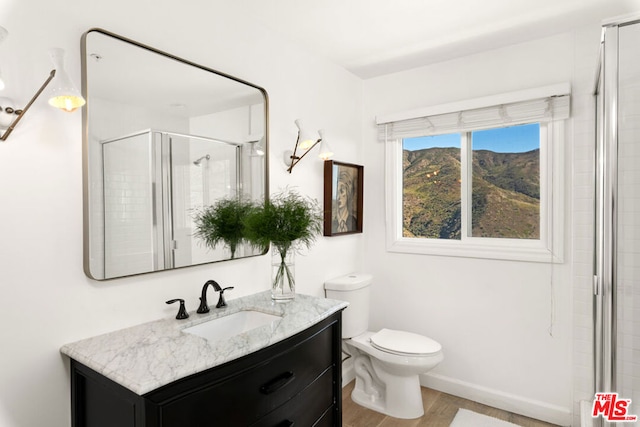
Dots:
{"x": 47, "y": 300}
{"x": 493, "y": 318}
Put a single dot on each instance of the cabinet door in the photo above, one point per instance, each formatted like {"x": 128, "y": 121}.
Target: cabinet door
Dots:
{"x": 99, "y": 402}
{"x": 245, "y": 397}
{"x": 307, "y": 408}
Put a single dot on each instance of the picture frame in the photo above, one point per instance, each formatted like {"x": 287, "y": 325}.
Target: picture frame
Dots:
{"x": 343, "y": 198}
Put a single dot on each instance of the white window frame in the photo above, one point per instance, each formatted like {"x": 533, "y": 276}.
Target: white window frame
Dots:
{"x": 549, "y": 248}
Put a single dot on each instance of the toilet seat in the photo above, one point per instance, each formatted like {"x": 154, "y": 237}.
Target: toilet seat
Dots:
{"x": 404, "y": 343}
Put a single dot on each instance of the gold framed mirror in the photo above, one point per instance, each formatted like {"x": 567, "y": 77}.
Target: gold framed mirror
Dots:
{"x": 163, "y": 137}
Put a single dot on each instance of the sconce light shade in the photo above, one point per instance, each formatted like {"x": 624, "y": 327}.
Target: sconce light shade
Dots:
{"x": 64, "y": 94}
{"x": 257, "y": 147}
{"x": 291, "y": 158}
{"x": 305, "y": 140}
{"x": 325, "y": 151}
{"x": 1, "y": 81}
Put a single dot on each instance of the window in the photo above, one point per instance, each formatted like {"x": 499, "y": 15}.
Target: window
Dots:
{"x": 487, "y": 190}
{"x": 504, "y": 176}
{"x": 505, "y": 182}
{"x": 431, "y": 182}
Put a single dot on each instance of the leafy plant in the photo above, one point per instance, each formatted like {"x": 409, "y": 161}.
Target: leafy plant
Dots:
{"x": 223, "y": 222}
{"x": 288, "y": 221}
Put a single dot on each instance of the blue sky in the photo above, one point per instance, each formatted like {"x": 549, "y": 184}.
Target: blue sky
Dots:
{"x": 514, "y": 139}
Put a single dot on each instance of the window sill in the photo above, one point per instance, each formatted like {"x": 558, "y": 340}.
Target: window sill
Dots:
{"x": 511, "y": 250}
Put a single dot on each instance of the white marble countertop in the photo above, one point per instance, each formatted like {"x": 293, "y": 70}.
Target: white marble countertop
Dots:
{"x": 145, "y": 357}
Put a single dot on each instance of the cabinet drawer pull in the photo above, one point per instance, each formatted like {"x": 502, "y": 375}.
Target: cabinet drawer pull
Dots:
{"x": 286, "y": 423}
{"x": 277, "y": 383}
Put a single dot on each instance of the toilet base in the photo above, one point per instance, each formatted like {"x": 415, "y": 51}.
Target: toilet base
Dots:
{"x": 385, "y": 382}
{"x": 400, "y": 398}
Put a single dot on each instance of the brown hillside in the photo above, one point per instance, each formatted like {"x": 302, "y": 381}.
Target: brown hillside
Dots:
{"x": 506, "y": 192}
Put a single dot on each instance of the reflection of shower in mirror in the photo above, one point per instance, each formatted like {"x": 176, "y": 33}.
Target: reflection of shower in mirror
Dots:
{"x": 205, "y": 178}
{"x": 149, "y": 166}
{"x": 198, "y": 161}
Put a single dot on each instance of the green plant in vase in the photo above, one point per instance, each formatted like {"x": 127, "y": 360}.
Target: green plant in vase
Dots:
{"x": 223, "y": 222}
{"x": 287, "y": 221}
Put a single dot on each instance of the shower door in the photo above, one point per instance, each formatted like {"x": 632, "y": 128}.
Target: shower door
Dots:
{"x": 153, "y": 184}
{"x": 203, "y": 170}
{"x": 132, "y": 239}
{"x": 617, "y": 264}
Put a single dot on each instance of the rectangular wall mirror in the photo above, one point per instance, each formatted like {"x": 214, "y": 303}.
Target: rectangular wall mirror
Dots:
{"x": 163, "y": 138}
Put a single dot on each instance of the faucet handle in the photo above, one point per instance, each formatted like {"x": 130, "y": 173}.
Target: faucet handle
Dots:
{"x": 182, "y": 311}
{"x": 221, "y": 301}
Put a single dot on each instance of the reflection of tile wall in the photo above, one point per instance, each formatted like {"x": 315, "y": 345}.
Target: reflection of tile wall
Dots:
{"x": 628, "y": 268}
{"x": 97, "y": 228}
{"x": 128, "y": 209}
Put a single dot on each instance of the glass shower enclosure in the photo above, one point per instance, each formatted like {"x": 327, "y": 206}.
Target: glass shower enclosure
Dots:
{"x": 617, "y": 215}
{"x": 153, "y": 182}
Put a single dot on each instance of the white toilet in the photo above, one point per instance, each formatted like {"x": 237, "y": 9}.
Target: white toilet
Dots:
{"x": 387, "y": 363}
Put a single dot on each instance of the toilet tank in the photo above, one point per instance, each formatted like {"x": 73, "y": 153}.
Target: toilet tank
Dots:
{"x": 354, "y": 289}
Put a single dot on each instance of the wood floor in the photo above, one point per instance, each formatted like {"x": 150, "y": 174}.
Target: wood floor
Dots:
{"x": 439, "y": 411}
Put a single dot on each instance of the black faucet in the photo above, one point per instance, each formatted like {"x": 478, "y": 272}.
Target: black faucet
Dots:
{"x": 182, "y": 311}
{"x": 221, "y": 302}
{"x": 204, "y": 308}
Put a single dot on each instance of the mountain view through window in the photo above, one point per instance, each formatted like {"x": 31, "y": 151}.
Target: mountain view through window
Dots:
{"x": 505, "y": 184}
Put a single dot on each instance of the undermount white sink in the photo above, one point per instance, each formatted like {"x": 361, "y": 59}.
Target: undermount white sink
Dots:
{"x": 226, "y": 327}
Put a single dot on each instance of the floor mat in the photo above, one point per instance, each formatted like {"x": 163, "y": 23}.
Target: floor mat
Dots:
{"x": 466, "y": 418}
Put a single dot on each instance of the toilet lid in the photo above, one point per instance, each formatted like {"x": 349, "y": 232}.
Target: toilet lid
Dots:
{"x": 404, "y": 342}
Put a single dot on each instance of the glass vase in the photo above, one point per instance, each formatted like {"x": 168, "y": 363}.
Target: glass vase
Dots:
{"x": 283, "y": 278}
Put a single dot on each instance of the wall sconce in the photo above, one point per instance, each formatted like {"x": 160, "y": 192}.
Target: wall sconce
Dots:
{"x": 258, "y": 147}
{"x": 306, "y": 142}
{"x": 64, "y": 94}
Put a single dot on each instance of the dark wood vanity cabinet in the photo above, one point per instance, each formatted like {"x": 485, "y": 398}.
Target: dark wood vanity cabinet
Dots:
{"x": 295, "y": 382}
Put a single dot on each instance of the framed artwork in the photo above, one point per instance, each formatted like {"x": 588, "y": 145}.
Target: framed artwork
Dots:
{"x": 343, "y": 205}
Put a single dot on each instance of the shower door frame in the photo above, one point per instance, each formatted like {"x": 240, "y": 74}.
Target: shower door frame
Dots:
{"x": 606, "y": 211}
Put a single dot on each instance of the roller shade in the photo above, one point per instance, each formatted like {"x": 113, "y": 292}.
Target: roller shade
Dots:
{"x": 554, "y": 107}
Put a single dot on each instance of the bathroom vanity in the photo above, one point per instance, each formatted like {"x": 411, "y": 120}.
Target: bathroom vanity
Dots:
{"x": 284, "y": 373}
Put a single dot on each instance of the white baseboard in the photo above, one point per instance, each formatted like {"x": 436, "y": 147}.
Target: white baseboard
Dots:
{"x": 348, "y": 372}
{"x": 508, "y": 402}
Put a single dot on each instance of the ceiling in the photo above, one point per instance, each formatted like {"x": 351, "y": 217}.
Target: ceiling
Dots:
{"x": 124, "y": 72}
{"x": 376, "y": 37}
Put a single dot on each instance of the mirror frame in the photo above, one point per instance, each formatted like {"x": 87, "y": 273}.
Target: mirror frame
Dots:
{"x": 85, "y": 146}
